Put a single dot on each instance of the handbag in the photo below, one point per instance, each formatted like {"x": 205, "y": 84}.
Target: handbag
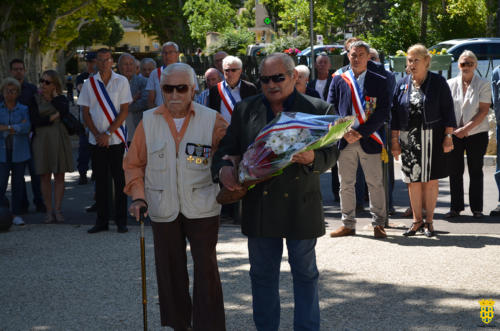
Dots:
{"x": 73, "y": 125}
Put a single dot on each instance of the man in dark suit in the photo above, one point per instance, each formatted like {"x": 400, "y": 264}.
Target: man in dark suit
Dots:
{"x": 322, "y": 82}
{"x": 363, "y": 93}
{"x": 226, "y": 94}
{"x": 288, "y": 206}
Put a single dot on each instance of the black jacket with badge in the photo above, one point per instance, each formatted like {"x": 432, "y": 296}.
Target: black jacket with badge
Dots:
{"x": 289, "y": 205}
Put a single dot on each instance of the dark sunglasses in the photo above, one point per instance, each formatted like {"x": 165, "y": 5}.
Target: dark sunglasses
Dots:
{"x": 46, "y": 82}
{"x": 466, "y": 64}
{"x": 275, "y": 78}
{"x": 183, "y": 88}
{"x": 231, "y": 69}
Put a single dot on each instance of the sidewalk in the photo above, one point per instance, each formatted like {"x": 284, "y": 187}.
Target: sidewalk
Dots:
{"x": 58, "y": 277}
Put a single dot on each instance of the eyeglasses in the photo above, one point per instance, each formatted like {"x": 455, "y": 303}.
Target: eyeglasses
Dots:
{"x": 466, "y": 64}
{"x": 275, "y": 78}
{"x": 169, "y": 52}
{"x": 183, "y": 88}
{"x": 44, "y": 81}
{"x": 231, "y": 69}
{"x": 11, "y": 91}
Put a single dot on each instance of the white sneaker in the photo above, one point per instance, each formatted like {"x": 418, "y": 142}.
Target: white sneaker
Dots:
{"x": 18, "y": 220}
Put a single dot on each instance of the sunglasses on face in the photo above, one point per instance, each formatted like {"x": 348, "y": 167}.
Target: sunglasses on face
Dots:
{"x": 183, "y": 88}
{"x": 231, "y": 69}
{"x": 466, "y": 64}
{"x": 275, "y": 78}
{"x": 44, "y": 81}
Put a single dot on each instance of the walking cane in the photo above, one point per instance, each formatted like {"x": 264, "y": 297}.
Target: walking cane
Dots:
{"x": 142, "y": 211}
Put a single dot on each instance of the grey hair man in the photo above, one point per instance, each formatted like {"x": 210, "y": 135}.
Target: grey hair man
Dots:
{"x": 270, "y": 209}
{"x": 147, "y": 66}
{"x": 232, "y": 90}
{"x": 127, "y": 67}
{"x": 212, "y": 77}
{"x": 179, "y": 127}
{"x": 170, "y": 55}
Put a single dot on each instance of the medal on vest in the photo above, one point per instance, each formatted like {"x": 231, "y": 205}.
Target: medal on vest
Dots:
{"x": 198, "y": 153}
{"x": 190, "y": 152}
{"x": 370, "y": 105}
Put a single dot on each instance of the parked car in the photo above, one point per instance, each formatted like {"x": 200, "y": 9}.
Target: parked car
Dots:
{"x": 318, "y": 49}
{"x": 253, "y": 49}
{"x": 487, "y": 51}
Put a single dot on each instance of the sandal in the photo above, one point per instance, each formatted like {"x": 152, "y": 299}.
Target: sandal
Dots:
{"x": 427, "y": 229}
{"x": 452, "y": 213}
{"x": 411, "y": 232}
{"x": 59, "y": 217}
{"x": 407, "y": 213}
{"x": 49, "y": 218}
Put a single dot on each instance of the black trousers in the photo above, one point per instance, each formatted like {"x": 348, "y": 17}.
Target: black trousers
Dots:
{"x": 475, "y": 148}
{"x": 103, "y": 158}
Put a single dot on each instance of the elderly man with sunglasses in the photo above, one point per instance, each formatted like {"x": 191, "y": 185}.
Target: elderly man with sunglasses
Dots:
{"x": 226, "y": 94}
{"x": 168, "y": 167}
{"x": 288, "y": 206}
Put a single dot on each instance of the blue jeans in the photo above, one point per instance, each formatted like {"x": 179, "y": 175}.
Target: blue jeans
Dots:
{"x": 265, "y": 260}
{"x": 17, "y": 182}
{"x": 497, "y": 173}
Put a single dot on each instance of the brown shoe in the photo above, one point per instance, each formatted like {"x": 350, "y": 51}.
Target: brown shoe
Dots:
{"x": 379, "y": 232}
{"x": 342, "y": 232}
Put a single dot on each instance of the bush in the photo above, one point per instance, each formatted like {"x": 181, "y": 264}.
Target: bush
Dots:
{"x": 286, "y": 42}
{"x": 233, "y": 42}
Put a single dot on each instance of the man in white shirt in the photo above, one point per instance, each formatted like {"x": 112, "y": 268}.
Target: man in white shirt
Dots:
{"x": 322, "y": 83}
{"x": 169, "y": 54}
{"x": 226, "y": 94}
{"x": 104, "y": 99}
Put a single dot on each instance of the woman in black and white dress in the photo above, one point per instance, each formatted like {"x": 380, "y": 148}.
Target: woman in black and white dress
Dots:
{"x": 421, "y": 132}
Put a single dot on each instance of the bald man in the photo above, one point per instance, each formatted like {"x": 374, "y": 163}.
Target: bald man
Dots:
{"x": 212, "y": 77}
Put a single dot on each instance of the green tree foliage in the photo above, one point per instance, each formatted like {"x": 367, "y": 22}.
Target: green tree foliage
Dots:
{"x": 233, "y": 42}
{"x": 208, "y": 16}
{"x": 159, "y": 18}
{"x": 246, "y": 19}
{"x": 459, "y": 18}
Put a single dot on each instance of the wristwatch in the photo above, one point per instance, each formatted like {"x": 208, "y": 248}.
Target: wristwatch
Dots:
{"x": 449, "y": 135}
{"x": 108, "y": 133}
{"x": 8, "y": 127}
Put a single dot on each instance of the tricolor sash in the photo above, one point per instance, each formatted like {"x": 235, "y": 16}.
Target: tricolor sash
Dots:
{"x": 107, "y": 107}
{"x": 358, "y": 103}
{"x": 158, "y": 71}
{"x": 226, "y": 96}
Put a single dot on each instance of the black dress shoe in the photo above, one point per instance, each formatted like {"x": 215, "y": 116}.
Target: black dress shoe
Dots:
{"x": 122, "y": 229}
{"x": 83, "y": 180}
{"x": 98, "y": 228}
{"x": 92, "y": 209}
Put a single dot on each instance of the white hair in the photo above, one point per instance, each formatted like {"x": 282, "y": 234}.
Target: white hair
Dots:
{"x": 170, "y": 43}
{"x": 303, "y": 69}
{"x": 124, "y": 55}
{"x": 232, "y": 60}
{"x": 147, "y": 60}
{"x": 175, "y": 68}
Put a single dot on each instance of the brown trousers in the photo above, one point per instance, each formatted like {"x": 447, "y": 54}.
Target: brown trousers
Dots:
{"x": 176, "y": 309}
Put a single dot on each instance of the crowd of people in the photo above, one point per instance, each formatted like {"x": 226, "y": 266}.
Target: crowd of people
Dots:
{"x": 170, "y": 146}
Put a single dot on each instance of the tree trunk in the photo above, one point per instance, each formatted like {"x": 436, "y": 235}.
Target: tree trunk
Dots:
{"x": 423, "y": 20}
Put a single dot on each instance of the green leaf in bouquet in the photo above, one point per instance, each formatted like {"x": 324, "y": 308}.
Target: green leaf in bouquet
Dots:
{"x": 335, "y": 133}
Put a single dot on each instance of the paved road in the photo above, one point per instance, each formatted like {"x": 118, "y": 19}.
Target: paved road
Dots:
{"x": 57, "y": 277}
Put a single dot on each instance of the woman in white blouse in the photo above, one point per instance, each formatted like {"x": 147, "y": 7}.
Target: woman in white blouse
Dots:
{"x": 472, "y": 98}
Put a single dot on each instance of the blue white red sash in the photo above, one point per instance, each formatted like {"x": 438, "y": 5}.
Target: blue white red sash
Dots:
{"x": 226, "y": 96}
{"x": 158, "y": 71}
{"x": 107, "y": 107}
{"x": 358, "y": 103}
{"x": 291, "y": 123}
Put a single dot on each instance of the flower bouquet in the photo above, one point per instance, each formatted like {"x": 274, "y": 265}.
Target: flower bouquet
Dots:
{"x": 276, "y": 144}
{"x": 292, "y": 51}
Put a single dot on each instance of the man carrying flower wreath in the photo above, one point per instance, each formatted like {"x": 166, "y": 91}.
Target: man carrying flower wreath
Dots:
{"x": 288, "y": 206}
